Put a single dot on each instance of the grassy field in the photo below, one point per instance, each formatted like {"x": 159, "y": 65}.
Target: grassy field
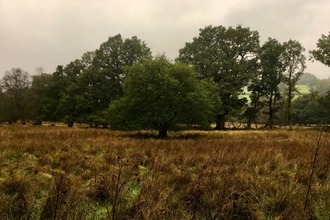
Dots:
{"x": 63, "y": 173}
{"x": 303, "y": 89}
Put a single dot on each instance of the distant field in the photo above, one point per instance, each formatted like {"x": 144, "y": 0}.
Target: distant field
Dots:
{"x": 74, "y": 173}
{"x": 303, "y": 89}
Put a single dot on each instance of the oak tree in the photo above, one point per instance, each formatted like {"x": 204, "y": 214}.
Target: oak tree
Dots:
{"x": 228, "y": 56}
{"x": 38, "y": 92}
{"x": 103, "y": 76}
{"x": 322, "y": 53}
{"x": 271, "y": 76}
{"x": 163, "y": 96}
{"x": 294, "y": 64}
{"x": 16, "y": 83}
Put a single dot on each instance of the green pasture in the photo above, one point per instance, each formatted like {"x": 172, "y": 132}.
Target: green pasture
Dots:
{"x": 303, "y": 89}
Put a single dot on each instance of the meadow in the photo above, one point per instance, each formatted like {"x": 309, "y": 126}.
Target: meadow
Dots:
{"x": 77, "y": 173}
{"x": 302, "y": 90}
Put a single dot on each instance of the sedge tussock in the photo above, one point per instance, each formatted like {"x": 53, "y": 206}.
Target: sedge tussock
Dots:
{"x": 58, "y": 172}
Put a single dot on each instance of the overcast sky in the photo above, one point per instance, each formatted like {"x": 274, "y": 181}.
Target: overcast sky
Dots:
{"x": 47, "y": 33}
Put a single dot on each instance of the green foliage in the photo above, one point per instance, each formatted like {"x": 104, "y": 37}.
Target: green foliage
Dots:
{"x": 321, "y": 86}
{"x": 265, "y": 84}
{"x": 227, "y": 56}
{"x": 312, "y": 108}
{"x": 294, "y": 63}
{"x": 68, "y": 107}
{"x": 322, "y": 53}
{"x": 54, "y": 92}
{"x": 163, "y": 96}
{"x": 111, "y": 58}
{"x": 103, "y": 76}
{"x": 37, "y": 93}
{"x": 8, "y": 112}
{"x": 60, "y": 102}
{"x": 281, "y": 65}
{"x": 15, "y": 84}
{"x": 307, "y": 79}
{"x": 313, "y": 84}
{"x": 82, "y": 90}
{"x": 324, "y": 103}
{"x": 231, "y": 57}
{"x": 307, "y": 110}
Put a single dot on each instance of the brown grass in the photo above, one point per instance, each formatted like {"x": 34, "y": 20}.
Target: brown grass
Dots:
{"x": 63, "y": 173}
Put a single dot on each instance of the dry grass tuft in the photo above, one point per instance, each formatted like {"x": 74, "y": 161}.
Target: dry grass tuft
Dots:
{"x": 62, "y": 173}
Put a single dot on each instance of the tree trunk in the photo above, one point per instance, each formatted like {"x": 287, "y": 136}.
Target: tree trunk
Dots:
{"x": 271, "y": 113}
{"x": 255, "y": 124}
{"x": 270, "y": 123}
{"x": 220, "y": 122}
{"x": 162, "y": 133}
{"x": 249, "y": 122}
{"x": 289, "y": 107}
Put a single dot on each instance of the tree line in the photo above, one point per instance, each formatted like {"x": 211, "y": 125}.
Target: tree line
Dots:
{"x": 122, "y": 85}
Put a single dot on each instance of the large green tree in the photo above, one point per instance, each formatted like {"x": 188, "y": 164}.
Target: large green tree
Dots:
{"x": 321, "y": 86}
{"x": 322, "y": 53}
{"x": 228, "y": 56}
{"x": 16, "y": 83}
{"x": 324, "y": 104}
{"x": 90, "y": 83}
{"x": 308, "y": 109}
{"x": 82, "y": 90}
{"x": 255, "y": 88}
{"x": 53, "y": 95}
{"x": 70, "y": 106}
{"x": 63, "y": 101}
{"x": 103, "y": 76}
{"x": 8, "y": 111}
{"x": 111, "y": 58}
{"x": 271, "y": 76}
{"x": 163, "y": 96}
{"x": 294, "y": 63}
{"x": 38, "y": 92}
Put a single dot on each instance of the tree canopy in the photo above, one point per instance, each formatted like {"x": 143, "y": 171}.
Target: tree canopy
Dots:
{"x": 82, "y": 90}
{"x": 228, "y": 56}
{"x": 322, "y": 53}
{"x": 16, "y": 83}
{"x": 163, "y": 96}
{"x": 294, "y": 63}
{"x": 308, "y": 109}
{"x": 222, "y": 74}
{"x": 264, "y": 84}
{"x": 103, "y": 76}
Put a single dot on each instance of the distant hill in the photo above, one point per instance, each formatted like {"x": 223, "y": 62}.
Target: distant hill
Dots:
{"x": 310, "y": 82}
{"x": 308, "y": 79}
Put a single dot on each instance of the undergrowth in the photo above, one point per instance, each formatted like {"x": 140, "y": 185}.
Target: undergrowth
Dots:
{"x": 63, "y": 173}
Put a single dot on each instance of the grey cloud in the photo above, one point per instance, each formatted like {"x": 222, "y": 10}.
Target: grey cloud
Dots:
{"x": 283, "y": 19}
{"x": 54, "y": 32}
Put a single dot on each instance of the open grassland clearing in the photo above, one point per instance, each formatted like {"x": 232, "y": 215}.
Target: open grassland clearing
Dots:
{"x": 303, "y": 89}
{"x": 63, "y": 173}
